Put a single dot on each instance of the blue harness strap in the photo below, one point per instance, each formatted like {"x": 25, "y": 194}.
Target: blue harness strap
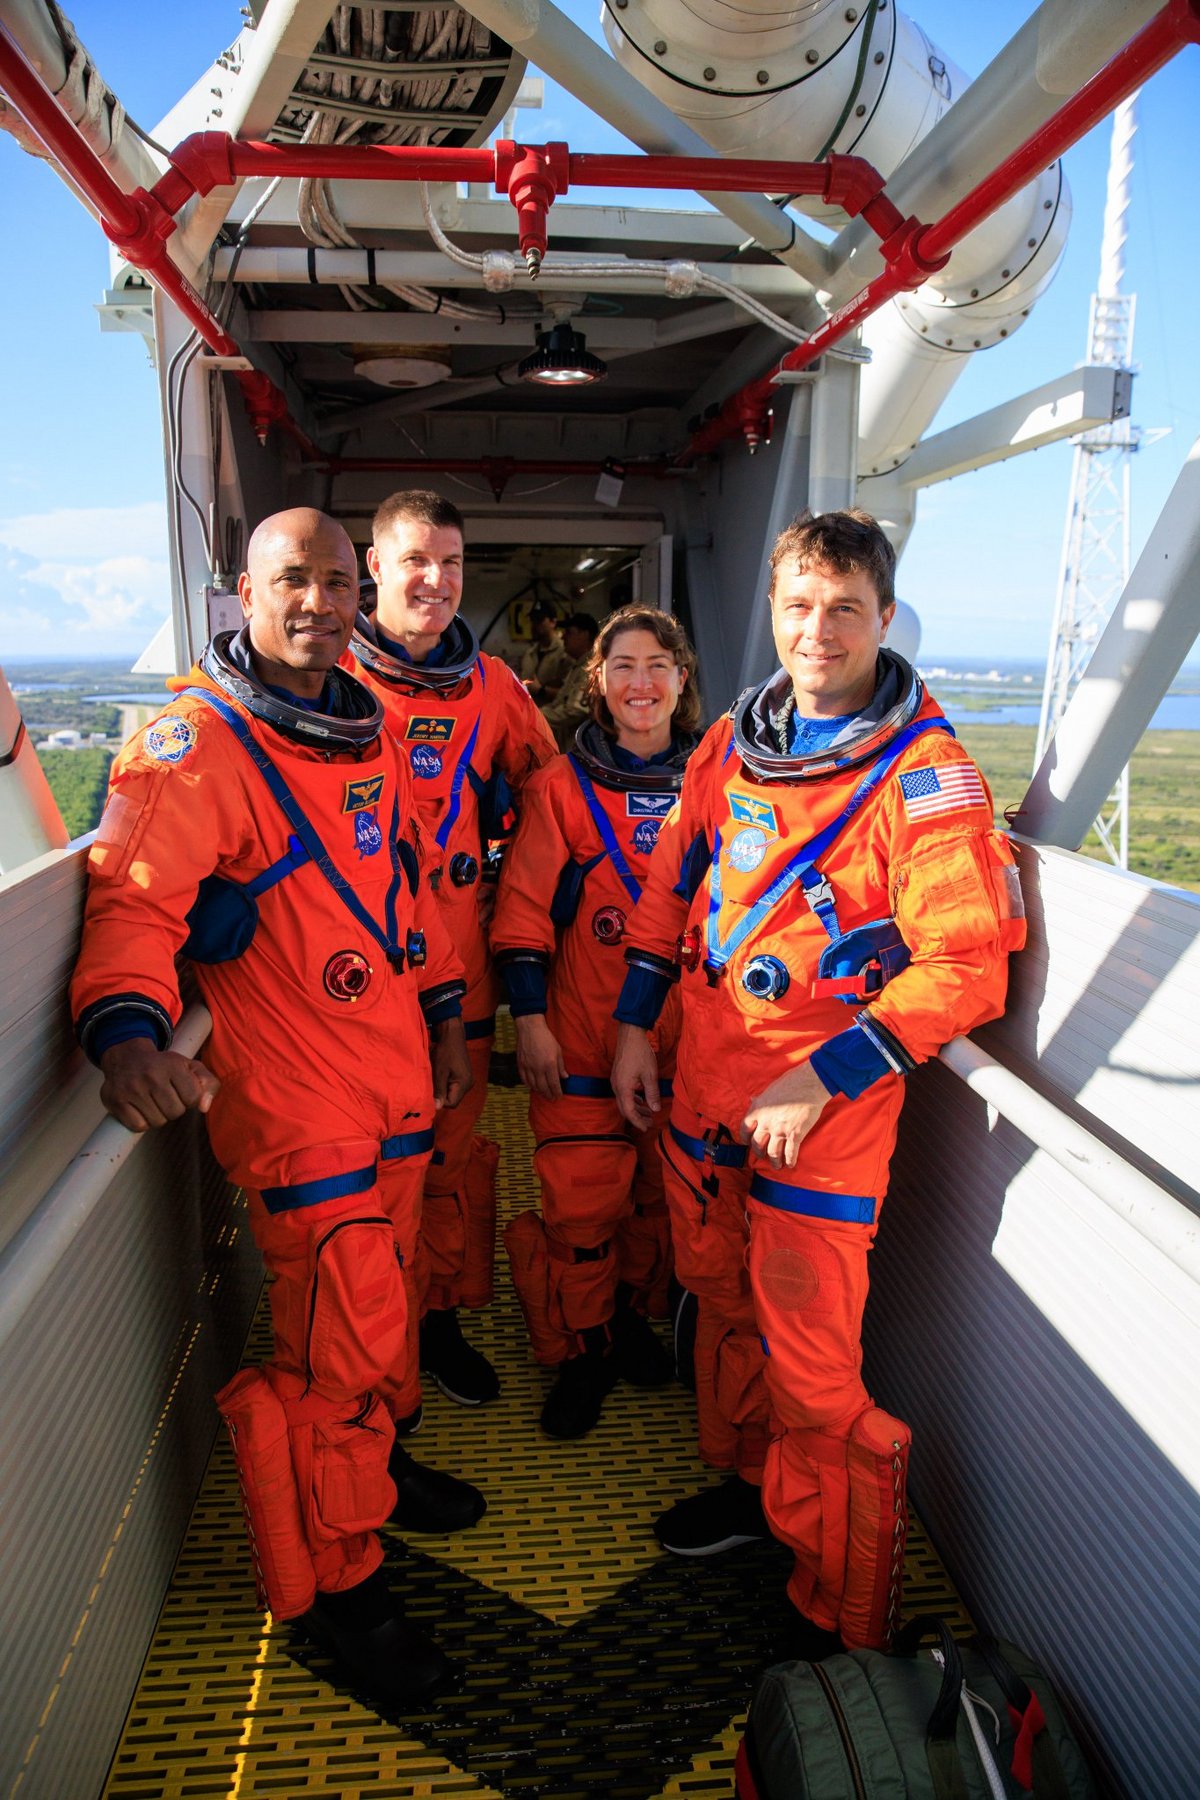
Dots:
{"x": 312, "y": 1193}
{"x": 608, "y": 836}
{"x": 811, "y": 1203}
{"x": 803, "y": 865}
{"x": 728, "y": 1156}
{"x": 294, "y": 857}
{"x": 307, "y": 838}
{"x": 406, "y": 1143}
{"x": 596, "y": 1087}
{"x": 461, "y": 771}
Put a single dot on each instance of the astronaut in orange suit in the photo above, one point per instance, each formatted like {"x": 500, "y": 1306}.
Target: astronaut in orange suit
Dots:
{"x": 463, "y": 720}
{"x": 833, "y": 848}
{"x": 590, "y": 1270}
{"x": 261, "y": 826}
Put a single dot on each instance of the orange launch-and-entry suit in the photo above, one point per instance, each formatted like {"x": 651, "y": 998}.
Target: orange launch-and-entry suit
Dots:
{"x": 571, "y": 878}
{"x": 320, "y": 1042}
{"x": 774, "y": 884}
{"x": 461, "y": 718}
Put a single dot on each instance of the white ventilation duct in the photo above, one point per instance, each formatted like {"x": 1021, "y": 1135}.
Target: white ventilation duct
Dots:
{"x": 798, "y": 82}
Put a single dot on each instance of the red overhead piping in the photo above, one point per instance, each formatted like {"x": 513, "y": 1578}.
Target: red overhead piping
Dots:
{"x": 137, "y": 223}
{"x": 915, "y": 251}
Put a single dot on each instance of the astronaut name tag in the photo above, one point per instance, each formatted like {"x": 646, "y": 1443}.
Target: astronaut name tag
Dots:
{"x": 747, "y": 850}
{"x": 648, "y": 806}
{"x": 363, "y": 793}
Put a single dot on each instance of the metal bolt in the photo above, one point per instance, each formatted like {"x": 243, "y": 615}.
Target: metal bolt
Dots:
{"x": 812, "y": 56}
{"x": 1046, "y": 205}
{"x": 851, "y": 14}
{"x": 621, "y": 5}
{"x": 1004, "y": 274}
{"x": 710, "y": 74}
{"x": 860, "y": 112}
{"x": 1031, "y": 244}
{"x": 762, "y": 79}
{"x": 533, "y": 261}
{"x": 660, "y": 49}
{"x": 1003, "y": 333}
{"x": 974, "y": 293}
{"x": 879, "y": 56}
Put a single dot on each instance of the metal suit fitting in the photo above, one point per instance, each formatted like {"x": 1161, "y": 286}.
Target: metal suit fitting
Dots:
{"x": 609, "y": 924}
{"x": 347, "y": 975}
{"x": 688, "y": 948}
{"x": 766, "y": 978}
{"x": 414, "y": 949}
{"x": 463, "y": 869}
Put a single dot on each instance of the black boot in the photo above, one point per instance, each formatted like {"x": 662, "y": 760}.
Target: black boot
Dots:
{"x": 428, "y": 1500}
{"x": 462, "y": 1372}
{"x": 574, "y": 1403}
{"x": 375, "y": 1648}
{"x": 715, "y": 1519}
{"x": 641, "y": 1358}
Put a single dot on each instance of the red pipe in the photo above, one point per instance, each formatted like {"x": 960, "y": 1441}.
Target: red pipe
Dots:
{"x": 914, "y": 251}
{"x": 136, "y": 223}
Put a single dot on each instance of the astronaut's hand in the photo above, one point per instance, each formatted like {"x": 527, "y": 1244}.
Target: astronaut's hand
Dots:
{"x": 634, "y": 1077}
{"x": 539, "y": 1057}
{"x": 452, "y": 1077}
{"x": 145, "y": 1086}
{"x": 781, "y": 1117}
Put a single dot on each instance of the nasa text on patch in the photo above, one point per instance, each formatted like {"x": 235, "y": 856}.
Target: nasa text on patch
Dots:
{"x": 430, "y": 730}
{"x": 749, "y": 811}
{"x": 648, "y": 806}
{"x": 366, "y": 791}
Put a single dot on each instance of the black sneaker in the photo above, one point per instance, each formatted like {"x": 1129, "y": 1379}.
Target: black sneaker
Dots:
{"x": 428, "y": 1500}
{"x": 410, "y": 1424}
{"x": 574, "y": 1403}
{"x": 716, "y": 1519}
{"x": 379, "y": 1652}
{"x": 462, "y": 1372}
{"x": 641, "y": 1358}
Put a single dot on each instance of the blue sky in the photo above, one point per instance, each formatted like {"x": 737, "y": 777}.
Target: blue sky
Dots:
{"x": 82, "y": 533}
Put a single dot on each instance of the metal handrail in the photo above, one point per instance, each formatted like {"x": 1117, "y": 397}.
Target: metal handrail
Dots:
{"x": 1154, "y": 1213}
{"x": 38, "y": 1248}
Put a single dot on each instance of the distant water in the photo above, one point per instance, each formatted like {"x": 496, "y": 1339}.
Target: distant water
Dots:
{"x": 1178, "y": 712}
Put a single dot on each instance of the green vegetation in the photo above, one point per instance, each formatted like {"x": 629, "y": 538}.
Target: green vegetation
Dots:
{"x": 78, "y": 780}
{"x": 1164, "y": 794}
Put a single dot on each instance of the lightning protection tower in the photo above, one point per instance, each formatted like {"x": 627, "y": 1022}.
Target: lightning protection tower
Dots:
{"x": 1095, "y": 558}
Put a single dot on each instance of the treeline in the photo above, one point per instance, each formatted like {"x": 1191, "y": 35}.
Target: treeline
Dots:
{"x": 78, "y": 780}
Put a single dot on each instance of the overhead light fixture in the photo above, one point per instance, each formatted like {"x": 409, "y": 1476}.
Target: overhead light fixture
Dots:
{"x": 562, "y": 359}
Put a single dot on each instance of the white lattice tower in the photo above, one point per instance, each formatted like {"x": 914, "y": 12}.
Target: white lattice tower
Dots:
{"x": 1095, "y": 558}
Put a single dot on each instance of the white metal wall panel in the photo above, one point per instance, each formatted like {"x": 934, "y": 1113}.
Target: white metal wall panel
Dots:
{"x": 1044, "y": 1352}
{"x": 106, "y": 1415}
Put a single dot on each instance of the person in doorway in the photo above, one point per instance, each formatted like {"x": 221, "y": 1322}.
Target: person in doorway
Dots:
{"x": 569, "y": 709}
{"x": 597, "y": 1261}
{"x": 466, "y": 725}
{"x": 261, "y": 826}
{"x": 545, "y": 663}
{"x": 833, "y": 847}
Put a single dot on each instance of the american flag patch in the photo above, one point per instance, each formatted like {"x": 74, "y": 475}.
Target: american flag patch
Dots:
{"x": 928, "y": 791}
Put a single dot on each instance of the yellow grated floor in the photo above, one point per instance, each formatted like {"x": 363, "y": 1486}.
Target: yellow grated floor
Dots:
{"x": 598, "y": 1666}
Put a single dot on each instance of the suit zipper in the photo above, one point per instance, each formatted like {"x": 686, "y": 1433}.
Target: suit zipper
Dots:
{"x": 840, "y": 1720}
{"x": 368, "y": 1219}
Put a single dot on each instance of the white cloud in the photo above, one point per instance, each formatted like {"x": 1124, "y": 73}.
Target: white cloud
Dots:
{"x": 83, "y": 580}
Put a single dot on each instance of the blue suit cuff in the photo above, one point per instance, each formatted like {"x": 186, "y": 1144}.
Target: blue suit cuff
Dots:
{"x": 643, "y": 996}
{"x": 849, "y": 1063}
{"x": 524, "y": 979}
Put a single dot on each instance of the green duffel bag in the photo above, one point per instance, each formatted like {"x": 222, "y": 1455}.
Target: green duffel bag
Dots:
{"x": 974, "y": 1721}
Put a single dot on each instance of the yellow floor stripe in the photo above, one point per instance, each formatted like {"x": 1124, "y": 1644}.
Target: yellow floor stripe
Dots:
{"x": 226, "y": 1709}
